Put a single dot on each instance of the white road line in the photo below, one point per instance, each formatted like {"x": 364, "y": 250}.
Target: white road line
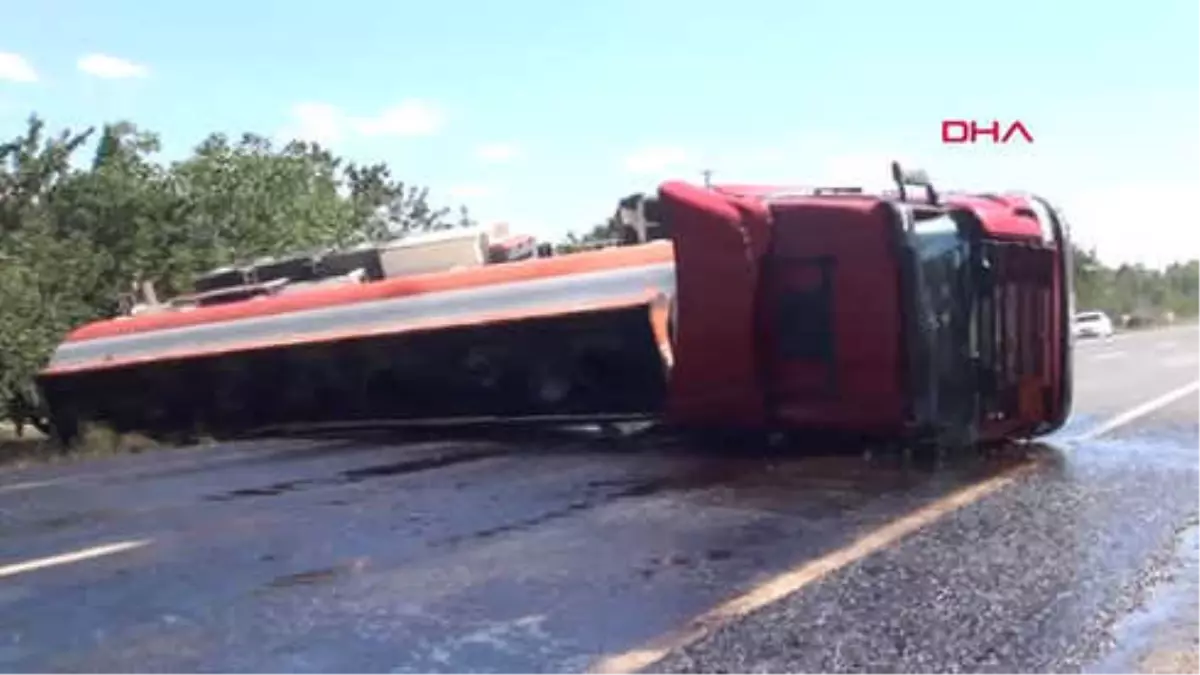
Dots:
{"x": 29, "y": 485}
{"x": 1109, "y": 355}
{"x": 1139, "y": 411}
{"x": 66, "y": 558}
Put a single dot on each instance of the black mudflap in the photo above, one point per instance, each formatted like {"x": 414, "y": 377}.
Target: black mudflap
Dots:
{"x": 575, "y": 365}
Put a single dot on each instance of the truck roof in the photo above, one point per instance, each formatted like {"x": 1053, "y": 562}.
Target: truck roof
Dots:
{"x": 1005, "y": 216}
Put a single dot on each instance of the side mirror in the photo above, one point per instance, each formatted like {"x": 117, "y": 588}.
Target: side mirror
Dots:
{"x": 915, "y": 178}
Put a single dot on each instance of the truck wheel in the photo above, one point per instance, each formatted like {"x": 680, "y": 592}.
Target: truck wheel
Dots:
{"x": 64, "y": 431}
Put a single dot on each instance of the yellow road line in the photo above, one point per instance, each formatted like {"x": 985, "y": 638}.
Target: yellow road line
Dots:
{"x": 72, "y": 557}
{"x": 797, "y": 578}
{"x": 793, "y": 580}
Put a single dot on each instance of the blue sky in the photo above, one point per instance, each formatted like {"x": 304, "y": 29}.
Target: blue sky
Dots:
{"x": 543, "y": 113}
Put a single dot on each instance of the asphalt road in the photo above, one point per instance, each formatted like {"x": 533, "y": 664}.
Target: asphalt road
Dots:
{"x": 1076, "y": 554}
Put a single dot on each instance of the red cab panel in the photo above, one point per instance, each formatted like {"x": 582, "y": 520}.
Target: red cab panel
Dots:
{"x": 719, "y": 242}
{"x": 832, "y": 303}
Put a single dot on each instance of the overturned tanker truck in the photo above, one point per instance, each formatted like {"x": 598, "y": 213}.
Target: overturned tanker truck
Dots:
{"x": 903, "y": 314}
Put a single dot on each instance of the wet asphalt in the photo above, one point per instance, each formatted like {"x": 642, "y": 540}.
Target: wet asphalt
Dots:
{"x": 382, "y": 556}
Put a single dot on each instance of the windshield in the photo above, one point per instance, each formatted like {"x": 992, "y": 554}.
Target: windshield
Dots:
{"x": 942, "y": 254}
{"x": 942, "y": 305}
{"x": 1091, "y": 317}
{"x": 937, "y": 236}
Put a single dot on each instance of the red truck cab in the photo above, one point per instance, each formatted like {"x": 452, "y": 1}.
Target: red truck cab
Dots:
{"x": 884, "y": 315}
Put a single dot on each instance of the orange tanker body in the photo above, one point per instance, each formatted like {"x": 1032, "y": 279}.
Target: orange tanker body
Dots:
{"x": 894, "y": 316}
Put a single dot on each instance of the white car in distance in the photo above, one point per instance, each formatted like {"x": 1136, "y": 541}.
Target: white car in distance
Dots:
{"x": 1092, "y": 325}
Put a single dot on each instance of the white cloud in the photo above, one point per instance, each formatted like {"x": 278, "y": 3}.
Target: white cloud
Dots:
{"x": 654, "y": 159}
{"x": 111, "y": 67}
{"x": 315, "y": 122}
{"x": 16, "y": 68}
{"x": 408, "y": 118}
{"x": 498, "y": 152}
{"x": 326, "y": 123}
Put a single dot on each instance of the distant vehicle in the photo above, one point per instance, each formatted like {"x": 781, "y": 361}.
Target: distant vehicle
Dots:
{"x": 1092, "y": 325}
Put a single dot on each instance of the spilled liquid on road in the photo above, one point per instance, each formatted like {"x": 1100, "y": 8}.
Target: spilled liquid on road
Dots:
{"x": 1162, "y": 630}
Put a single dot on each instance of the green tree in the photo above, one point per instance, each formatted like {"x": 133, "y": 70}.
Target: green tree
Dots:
{"x": 74, "y": 238}
{"x": 386, "y": 209}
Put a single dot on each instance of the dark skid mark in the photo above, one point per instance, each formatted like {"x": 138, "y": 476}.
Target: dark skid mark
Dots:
{"x": 200, "y": 464}
{"x": 719, "y": 554}
{"x": 748, "y": 477}
{"x": 698, "y": 473}
{"x": 413, "y": 466}
{"x": 353, "y": 476}
{"x": 305, "y": 578}
{"x": 265, "y": 491}
{"x": 524, "y": 524}
{"x": 601, "y": 492}
{"x": 61, "y": 522}
{"x": 315, "y": 577}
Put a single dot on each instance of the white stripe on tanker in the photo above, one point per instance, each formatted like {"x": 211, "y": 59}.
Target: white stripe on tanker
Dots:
{"x": 375, "y": 314}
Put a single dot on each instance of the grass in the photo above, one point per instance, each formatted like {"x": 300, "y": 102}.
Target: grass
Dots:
{"x": 94, "y": 441}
